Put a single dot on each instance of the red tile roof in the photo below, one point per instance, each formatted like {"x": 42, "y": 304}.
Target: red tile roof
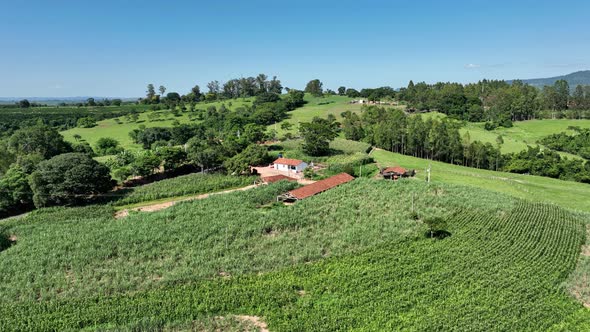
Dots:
{"x": 397, "y": 170}
{"x": 290, "y": 162}
{"x": 276, "y": 178}
{"x": 320, "y": 186}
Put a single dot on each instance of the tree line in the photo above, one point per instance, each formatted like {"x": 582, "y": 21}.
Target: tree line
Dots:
{"x": 244, "y": 87}
{"x": 498, "y": 102}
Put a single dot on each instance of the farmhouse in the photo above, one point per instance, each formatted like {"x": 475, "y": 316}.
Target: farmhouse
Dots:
{"x": 395, "y": 173}
{"x": 289, "y": 165}
{"x": 316, "y": 188}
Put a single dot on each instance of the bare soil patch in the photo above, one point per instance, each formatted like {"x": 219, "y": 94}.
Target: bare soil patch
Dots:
{"x": 254, "y": 320}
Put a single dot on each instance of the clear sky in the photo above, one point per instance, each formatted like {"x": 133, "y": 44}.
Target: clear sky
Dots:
{"x": 114, "y": 48}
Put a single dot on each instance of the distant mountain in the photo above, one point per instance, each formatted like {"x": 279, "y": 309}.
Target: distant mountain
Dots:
{"x": 573, "y": 79}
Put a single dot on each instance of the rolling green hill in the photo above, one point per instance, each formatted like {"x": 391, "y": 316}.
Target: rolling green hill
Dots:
{"x": 119, "y": 128}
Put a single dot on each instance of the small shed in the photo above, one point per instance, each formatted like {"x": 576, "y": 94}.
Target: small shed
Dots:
{"x": 289, "y": 165}
{"x": 397, "y": 172}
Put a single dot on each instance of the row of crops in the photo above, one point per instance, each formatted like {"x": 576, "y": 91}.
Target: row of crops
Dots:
{"x": 331, "y": 262}
{"x": 192, "y": 184}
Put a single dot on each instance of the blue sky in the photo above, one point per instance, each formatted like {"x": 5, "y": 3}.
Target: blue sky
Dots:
{"x": 114, "y": 48}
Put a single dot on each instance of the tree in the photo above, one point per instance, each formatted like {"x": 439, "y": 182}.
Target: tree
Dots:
{"x": 117, "y": 102}
{"x": 107, "y": 146}
{"x": 24, "y": 103}
{"x": 147, "y": 136}
{"x": 172, "y": 157}
{"x": 262, "y": 84}
{"x": 86, "y": 122}
{"x": 150, "y": 93}
{"x": 16, "y": 185}
{"x": 40, "y": 139}
{"x": 578, "y": 97}
{"x": 90, "y": 102}
{"x": 317, "y": 135}
{"x": 352, "y": 93}
{"x": 206, "y": 154}
{"x": 275, "y": 86}
{"x": 294, "y": 99}
{"x": 162, "y": 90}
{"x": 145, "y": 164}
{"x": 562, "y": 94}
{"x": 342, "y": 91}
{"x": 314, "y": 87}
{"x": 253, "y": 155}
{"x": 213, "y": 87}
{"x": 69, "y": 178}
{"x": 435, "y": 225}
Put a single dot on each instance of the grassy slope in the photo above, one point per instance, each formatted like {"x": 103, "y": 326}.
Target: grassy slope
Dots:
{"x": 568, "y": 194}
{"x": 331, "y": 105}
{"x": 329, "y": 262}
{"x": 120, "y": 132}
{"x": 523, "y": 133}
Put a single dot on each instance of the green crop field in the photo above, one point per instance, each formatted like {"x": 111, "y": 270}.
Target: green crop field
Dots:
{"x": 120, "y": 130}
{"x": 192, "y": 184}
{"x": 572, "y": 195}
{"x": 330, "y": 262}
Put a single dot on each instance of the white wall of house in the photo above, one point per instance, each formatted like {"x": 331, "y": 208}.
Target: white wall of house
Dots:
{"x": 287, "y": 168}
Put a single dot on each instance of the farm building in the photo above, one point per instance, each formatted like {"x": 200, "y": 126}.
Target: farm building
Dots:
{"x": 316, "y": 187}
{"x": 397, "y": 172}
{"x": 277, "y": 178}
{"x": 289, "y": 165}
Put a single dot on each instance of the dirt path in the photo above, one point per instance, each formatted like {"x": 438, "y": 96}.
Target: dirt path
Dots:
{"x": 165, "y": 205}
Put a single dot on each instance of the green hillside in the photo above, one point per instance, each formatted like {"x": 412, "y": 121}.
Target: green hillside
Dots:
{"x": 572, "y": 195}
{"x": 119, "y": 128}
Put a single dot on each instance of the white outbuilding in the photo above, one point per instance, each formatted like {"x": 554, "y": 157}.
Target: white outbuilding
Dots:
{"x": 289, "y": 165}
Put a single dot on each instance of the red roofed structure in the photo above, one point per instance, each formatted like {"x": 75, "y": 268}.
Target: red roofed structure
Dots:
{"x": 289, "y": 165}
{"x": 277, "y": 178}
{"x": 287, "y": 161}
{"x": 396, "y": 172}
{"x": 317, "y": 187}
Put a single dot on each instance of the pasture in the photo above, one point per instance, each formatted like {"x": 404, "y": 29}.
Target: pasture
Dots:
{"x": 119, "y": 128}
{"x": 568, "y": 194}
{"x": 332, "y": 261}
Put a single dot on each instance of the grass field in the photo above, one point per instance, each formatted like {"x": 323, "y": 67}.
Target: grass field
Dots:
{"x": 120, "y": 131}
{"x": 320, "y": 107}
{"x": 572, "y": 195}
{"x": 330, "y": 262}
{"x": 523, "y": 133}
